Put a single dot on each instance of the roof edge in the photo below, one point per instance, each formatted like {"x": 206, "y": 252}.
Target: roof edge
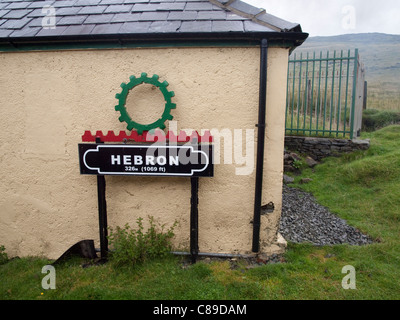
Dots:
{"x": 279, "y": 39}
{"x": 257, "y": 15}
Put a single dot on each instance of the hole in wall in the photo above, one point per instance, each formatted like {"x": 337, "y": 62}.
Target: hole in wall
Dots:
{"x": 268, "y": 208}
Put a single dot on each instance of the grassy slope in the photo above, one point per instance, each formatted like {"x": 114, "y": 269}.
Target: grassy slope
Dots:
{"x": 363, "y": 188}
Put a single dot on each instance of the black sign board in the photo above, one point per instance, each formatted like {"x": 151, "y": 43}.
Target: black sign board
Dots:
{"x": 147, "y": 160}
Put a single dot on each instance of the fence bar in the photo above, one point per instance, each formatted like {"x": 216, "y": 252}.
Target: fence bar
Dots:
{"x": 353, "y": 102}
{"x": 305, "y": 96}
{"x": 320, "y": 59}
{"x": 298, "y": 99}
{"x": 294, "y": 77}
{"x": 347, "y": 91}
{"x": 333, "y": 92}
{"x": 312, "y": 92}
{"x": 326, "y": 90}
{"x": 319, "y": 92}
{"x": 339, "y": 95}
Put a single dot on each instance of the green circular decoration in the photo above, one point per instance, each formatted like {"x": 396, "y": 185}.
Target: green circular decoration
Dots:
{"x": 162, "y": 86}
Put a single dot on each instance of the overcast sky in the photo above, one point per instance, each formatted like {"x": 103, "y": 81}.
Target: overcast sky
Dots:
{"x": 333, "y": 17}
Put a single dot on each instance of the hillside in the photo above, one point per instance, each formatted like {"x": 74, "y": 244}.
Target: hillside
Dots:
{"x": 380, "y": 55}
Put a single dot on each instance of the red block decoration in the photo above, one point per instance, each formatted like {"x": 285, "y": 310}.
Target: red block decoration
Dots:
{"x": 157, "y": 136}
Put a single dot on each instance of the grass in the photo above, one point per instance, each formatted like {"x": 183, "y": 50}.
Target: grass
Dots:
{"x": 383, "y": 100}
{"x": 376, "y": 119}
{"x": 363, "y": 188}
{"x": 317, "y": 127}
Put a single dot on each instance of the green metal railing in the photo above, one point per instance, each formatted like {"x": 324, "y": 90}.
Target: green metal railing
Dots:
{"x": 320, "y": 99}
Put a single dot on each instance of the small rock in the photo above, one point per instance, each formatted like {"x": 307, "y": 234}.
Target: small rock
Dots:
{"x": 311, "y": 162}
{"x": 295, "y": 156}
{"x": 287, "y": 179}
{"x": 305, "y": 180}
{"x": 252, "y": 266}
{"x": 288, "y": 168}
{"x": 287, "y": 157}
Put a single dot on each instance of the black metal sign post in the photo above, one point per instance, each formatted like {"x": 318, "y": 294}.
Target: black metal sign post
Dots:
{"x": 101, "y": 194}
{"x": 102, "y": 206}
{"x": 192, "y": 161}
{"x": 194, "y": 219}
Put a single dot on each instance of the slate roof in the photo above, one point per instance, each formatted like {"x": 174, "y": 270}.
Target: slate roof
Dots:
{"x": 90, "y": 19}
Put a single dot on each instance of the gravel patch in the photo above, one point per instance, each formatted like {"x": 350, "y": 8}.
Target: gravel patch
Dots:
{"x": 304, "y": 220}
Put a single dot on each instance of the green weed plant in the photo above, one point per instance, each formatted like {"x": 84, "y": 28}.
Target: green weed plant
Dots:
{"x": 135, "y": 245}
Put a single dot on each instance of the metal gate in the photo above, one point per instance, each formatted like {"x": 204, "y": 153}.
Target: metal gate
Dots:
{"x": 325, "y": 95}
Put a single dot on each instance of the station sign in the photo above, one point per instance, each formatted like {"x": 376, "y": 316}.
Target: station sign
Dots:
{"x": 147, "y": 160}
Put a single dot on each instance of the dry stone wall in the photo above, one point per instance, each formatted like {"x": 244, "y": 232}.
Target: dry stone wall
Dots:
{"x": 319, "y": 148}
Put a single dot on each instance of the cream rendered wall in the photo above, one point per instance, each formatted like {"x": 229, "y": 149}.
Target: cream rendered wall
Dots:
{"x": 48, "y": 100}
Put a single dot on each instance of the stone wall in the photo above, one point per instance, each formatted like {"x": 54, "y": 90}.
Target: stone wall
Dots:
{"x": 319, "y": 148}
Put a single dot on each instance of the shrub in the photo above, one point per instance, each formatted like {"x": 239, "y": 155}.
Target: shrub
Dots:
{"x": 3, "y": 255}
{"x": 131, "y": 246}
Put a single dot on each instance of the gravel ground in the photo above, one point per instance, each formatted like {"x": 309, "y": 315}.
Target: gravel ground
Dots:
{"x": 304, "y": 220}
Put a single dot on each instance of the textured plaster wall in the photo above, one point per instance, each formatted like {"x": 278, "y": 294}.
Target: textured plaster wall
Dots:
{"x": 48, "y": 100}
